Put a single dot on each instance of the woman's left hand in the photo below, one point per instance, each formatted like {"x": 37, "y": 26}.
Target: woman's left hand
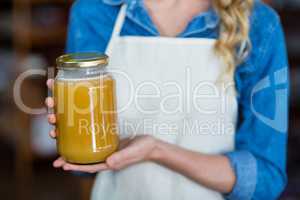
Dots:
{"x": 131, "y": 151}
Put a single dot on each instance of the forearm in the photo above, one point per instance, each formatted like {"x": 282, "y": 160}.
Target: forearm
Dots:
{"x": 212, "y": 171}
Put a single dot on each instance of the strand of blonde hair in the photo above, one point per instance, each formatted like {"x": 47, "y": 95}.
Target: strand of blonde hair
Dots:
{"x": 234, "y": 29}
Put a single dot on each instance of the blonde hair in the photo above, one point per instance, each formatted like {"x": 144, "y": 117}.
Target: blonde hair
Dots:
{"x": 234, "y": 30}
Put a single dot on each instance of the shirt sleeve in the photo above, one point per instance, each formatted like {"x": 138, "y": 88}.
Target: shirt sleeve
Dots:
{"x": 90, "y": 26}
{"x": 259, "y": 161}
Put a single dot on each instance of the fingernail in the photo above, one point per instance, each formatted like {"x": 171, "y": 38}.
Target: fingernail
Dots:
{"x": 52, "y": 134}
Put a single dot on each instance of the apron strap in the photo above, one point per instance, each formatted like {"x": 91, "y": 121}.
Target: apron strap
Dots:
{"x": 117, "y": 29}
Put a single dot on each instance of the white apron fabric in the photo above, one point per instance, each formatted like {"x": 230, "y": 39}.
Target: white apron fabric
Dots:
{"x": 163, "y": 67}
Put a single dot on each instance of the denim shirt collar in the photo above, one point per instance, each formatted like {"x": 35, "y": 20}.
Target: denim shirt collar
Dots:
{"x": 137, "y": 13}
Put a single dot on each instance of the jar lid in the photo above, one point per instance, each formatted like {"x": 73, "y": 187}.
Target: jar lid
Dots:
{"x": 82, "y": 60}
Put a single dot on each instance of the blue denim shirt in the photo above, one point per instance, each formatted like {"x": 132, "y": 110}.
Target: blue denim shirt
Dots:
{"x": 262, "y": 82}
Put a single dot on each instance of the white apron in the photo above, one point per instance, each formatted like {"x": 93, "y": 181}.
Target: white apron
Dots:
{"x": 166, "y": 87}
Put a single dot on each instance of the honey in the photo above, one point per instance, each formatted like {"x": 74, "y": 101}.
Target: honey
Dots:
{"x": 86, "y": 119}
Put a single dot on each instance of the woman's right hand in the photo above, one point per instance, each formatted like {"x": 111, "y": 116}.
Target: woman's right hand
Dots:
{"x": 50, "y": 105}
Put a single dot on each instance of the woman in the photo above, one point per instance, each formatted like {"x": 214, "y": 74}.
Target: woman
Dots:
{"x": 233, "y": 44}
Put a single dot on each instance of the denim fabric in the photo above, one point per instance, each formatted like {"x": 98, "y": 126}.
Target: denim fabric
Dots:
{"x": 245, "y": 167}
{"x": 262, "y": 83}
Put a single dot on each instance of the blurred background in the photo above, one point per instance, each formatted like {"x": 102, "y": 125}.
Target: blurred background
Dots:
{"x": 32, "y": 35}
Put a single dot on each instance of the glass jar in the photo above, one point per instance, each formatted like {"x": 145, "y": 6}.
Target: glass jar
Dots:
{"x": 84, "y": 95}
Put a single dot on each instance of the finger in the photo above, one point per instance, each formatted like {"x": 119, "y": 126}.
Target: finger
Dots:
{"x": 53, "y": 134}
{"x": 86, "y": 168}
{"x": 119, "y": 157}
{"x": 49, "y": 102}
{"x": 124, "y": 164}
{"x": 50, "y": 83}
{"x": 59, "y": 162}
{"x": 51, "y": 118}
{"x": 124, "y": 142}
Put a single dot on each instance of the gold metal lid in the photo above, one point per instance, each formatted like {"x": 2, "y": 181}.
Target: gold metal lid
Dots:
{"x": 82, "y": 60}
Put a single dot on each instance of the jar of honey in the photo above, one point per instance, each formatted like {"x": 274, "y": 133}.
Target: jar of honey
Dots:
{"x": 85, "y": 107}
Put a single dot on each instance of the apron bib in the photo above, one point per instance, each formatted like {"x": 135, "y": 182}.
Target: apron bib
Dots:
{"x": 166, "y": 87}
